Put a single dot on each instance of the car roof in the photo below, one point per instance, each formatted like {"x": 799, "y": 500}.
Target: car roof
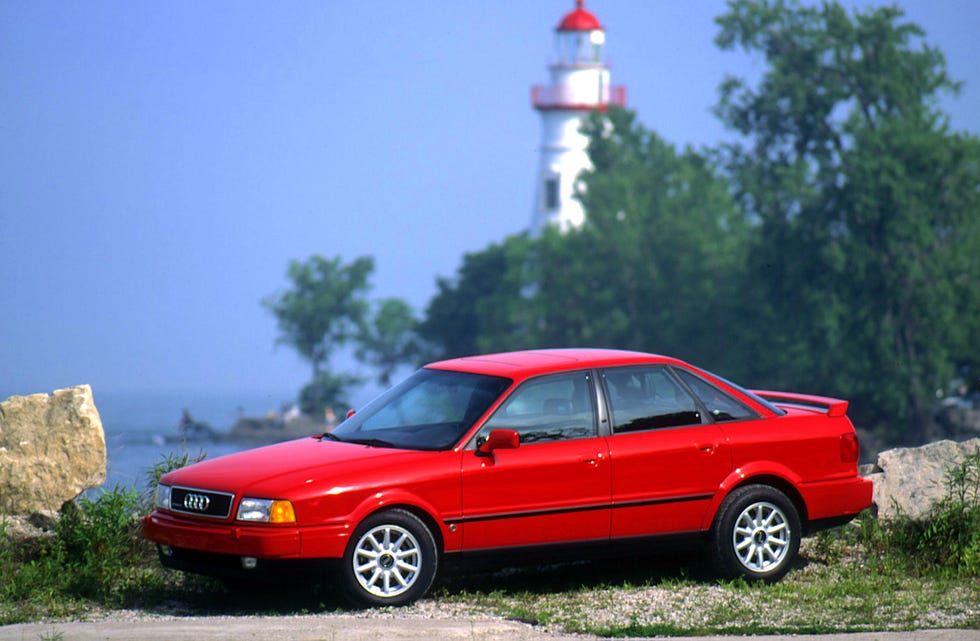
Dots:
{"x": 524, "y": 364}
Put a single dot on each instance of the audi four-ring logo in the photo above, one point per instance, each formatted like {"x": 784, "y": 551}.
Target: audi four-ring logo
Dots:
{"x": 196, "y": 502}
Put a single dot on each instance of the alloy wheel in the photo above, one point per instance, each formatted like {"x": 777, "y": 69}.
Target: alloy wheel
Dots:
{"x": 387, "y": 560}
{"x": 761, "y": 537}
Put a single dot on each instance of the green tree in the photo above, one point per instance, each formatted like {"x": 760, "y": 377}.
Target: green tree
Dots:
{"x": 324, "y": 308}
{"x": 478, "y": 310}
{"x": 656, "y": 263}
{"x": 389, "y": 339}
{"x": 660, "y": 254}
{"x": 328, "y": 389}
{"x": 866, "y": 207}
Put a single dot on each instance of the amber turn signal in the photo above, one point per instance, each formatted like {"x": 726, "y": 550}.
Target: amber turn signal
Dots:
{"x": 281, "y": 511}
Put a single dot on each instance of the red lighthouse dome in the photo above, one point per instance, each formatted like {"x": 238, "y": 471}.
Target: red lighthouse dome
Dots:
{"x": 579, "y": 20}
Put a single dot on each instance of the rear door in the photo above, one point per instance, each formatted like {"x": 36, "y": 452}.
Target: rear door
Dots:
{"x": 555, "y": 486}
{"x": 668, "y": 458}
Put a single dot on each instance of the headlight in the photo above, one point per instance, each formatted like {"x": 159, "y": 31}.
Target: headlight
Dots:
{"x": 266, "y": 511}
{"x": 162, "y": 497}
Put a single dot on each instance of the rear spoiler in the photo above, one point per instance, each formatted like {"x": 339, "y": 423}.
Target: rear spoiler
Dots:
{"x": 833, "y": 406}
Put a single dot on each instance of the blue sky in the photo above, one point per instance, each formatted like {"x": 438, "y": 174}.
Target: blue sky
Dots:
{"x": 161, "y": 162}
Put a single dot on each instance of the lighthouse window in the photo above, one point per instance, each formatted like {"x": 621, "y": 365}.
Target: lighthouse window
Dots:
{"x": 551, "y": 193}
{"x": 578, "y": 47}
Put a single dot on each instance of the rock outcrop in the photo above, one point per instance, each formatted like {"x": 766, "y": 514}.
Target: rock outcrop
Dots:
{"x": 52, "y": 448}
{"x": 910, "y": 481}
{"x": 274, "y": 430}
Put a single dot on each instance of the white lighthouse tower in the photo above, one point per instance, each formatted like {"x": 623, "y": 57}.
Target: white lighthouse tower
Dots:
{"x": 579, "y": 84}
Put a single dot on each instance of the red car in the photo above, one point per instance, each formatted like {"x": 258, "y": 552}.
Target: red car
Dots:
{"x": 520, "y": 451}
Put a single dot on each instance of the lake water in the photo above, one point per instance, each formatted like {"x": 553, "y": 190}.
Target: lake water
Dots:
{"x": 141, "y": 427}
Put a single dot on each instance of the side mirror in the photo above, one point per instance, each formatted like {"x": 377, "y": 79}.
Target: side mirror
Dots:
{"x": 498, "y": 440}
{"x": 350, "y": 413}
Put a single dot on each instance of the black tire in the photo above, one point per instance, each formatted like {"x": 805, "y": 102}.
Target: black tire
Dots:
{"x": 756, "y": 534}
{"x": 390, "y": 560}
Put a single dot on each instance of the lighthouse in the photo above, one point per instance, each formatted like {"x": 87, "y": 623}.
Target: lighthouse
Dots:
{"x": 579, "y": 84}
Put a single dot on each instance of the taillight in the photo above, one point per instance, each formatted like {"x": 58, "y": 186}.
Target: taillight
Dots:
{"x": 850, "y": 449}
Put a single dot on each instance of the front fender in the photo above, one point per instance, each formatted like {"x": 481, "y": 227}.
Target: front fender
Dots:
{"x": 451, "y": 540}
{"x": 762, "y": 470}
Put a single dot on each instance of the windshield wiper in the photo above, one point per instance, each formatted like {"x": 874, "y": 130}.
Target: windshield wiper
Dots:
{"x": 373, "y": 442}
{"x": 332, "y": 437}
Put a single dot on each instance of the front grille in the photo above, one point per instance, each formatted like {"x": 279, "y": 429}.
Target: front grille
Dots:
{"x": 201, "y": 502}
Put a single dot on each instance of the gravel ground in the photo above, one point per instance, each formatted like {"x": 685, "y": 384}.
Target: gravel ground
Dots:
{"x": 425, "y": 620}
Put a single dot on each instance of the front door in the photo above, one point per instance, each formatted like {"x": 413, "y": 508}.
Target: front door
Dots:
{"x": 555, "y": 486}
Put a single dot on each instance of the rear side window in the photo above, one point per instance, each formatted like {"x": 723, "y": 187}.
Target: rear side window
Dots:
{"x": 646, "y": 398}
{"x": 721, "y": 405}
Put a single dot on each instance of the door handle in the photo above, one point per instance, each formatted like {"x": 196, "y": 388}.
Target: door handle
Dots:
{"x": 708, "y": 448}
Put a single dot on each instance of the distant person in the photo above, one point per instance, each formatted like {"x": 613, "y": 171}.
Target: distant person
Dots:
{"x": 185, "y": 424}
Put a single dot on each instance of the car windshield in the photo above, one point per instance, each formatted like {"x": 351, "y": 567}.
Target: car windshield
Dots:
{"x": 430, "y": 410}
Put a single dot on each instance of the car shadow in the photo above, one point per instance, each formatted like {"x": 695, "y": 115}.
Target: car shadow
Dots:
{"x": 191, "y": 595}
{"x": 559, "y": 576}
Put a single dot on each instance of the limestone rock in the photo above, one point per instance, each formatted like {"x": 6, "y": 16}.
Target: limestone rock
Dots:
{"x": 25, "y": 528}
{"x": 52, "y": 448}
{"x": 911, "y": 481}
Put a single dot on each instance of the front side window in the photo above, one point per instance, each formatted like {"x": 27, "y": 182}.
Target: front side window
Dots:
{"x": 646, "y": 398}
{"x": 549, "y": 408}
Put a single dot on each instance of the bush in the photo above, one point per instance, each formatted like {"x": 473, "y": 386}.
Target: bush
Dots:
{"x": 95, "y": 553}
{"x": 949, "y": 539}
{"x": 92, "y": 554}
{"x": 98, "y": 541}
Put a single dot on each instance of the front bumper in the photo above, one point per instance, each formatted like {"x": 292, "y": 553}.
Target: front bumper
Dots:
{"x": 238, "y": 540}
{"x": 229, "y": 566}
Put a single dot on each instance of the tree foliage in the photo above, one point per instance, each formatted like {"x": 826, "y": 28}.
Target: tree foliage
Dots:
{"x": 389, "y": 339}
{"x": 327, "y": 390}
{"x": 325, "y": 308}
{"x": 479, "y": 309}
{"x": 867, "y": 208}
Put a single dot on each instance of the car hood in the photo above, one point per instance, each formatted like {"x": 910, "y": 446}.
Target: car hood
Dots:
{"x": 272, "y": 470}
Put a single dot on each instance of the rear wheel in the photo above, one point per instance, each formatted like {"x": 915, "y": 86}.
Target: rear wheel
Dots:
{"x": 756, "y": 534}
{"x": 390, "y": 560}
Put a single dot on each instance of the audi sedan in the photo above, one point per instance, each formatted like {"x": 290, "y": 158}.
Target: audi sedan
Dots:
{"x": 583, "y": 449}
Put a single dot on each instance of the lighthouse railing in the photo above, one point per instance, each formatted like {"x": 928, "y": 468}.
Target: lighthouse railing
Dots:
{"x": 563, "y": 97}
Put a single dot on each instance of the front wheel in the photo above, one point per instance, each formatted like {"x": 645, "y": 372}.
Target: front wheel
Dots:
{"x": 390, "y": 560}
{"x": 756, "y": 534}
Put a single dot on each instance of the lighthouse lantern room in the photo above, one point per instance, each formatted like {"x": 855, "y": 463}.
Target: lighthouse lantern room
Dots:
{"x": 579, "y": 84}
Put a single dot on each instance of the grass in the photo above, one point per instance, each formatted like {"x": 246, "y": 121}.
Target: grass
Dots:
{"x": 866, "y": 576}
{"x": 837, "y": 587}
